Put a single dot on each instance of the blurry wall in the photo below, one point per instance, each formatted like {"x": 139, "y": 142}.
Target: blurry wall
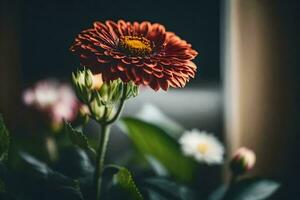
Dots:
{"x": 261, "y": 87}
{"x": 9, "y": 57}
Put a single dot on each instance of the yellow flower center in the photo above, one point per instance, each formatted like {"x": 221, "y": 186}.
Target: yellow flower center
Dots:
{"x": 202, "y": 148}
{"x": 135, "y": 45}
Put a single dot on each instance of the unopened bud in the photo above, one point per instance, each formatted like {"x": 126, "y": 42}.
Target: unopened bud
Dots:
{"x": 101, "y": 97}
{"x": 110, "y": 93}
{"x": 84, "y": 113}
{"x": 132, "y": 90}
{"x": 83, "y": 82}
{"x": 100, "y": 111}
{"x": 242, "y": 161}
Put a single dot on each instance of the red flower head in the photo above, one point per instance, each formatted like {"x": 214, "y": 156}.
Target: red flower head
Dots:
{"x": 144, "y": 53}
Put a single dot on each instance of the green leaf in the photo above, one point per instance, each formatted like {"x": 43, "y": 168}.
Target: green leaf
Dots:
{"x": 122, "y": 178}
{"x": 154, "y": 115}
{"x": 169, "y": 190}
{"x": 219, "y": 193}
{"x": 154, "y": 142}
{"x": 78, "y": 138}
{"x": 37, "y": 178}
{"x": 2, "y": 186}
{"x": 4, "y": 140}
{"x": 3, "y": 172}
{"x": 154, "y": 195}
{"x": 252, "y": 189}
{"x": 74, "y": 162}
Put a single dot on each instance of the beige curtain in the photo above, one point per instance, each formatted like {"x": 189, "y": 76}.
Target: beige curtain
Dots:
{"x": 257, "y": 87}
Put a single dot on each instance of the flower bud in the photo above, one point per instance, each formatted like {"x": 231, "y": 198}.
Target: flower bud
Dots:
{"x": 97, "y": 110}
{"x": 110, "y": 93}
{"x": 132, "y": 90}
{"x": 100, "y": 111}
{"x": 102, "y": 97}
{"x": 83, "y": 114}
{"x": 83, "y": 82}
{"x": 242, "y": 161}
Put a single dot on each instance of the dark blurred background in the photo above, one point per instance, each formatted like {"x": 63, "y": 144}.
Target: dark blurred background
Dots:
{"x": 37, "y": 36}
{"x": 247, "y": 85}
{"x": 47, "y": 29}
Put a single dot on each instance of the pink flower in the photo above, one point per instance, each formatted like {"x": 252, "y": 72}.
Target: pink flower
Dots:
{"x": 55, "y": 100}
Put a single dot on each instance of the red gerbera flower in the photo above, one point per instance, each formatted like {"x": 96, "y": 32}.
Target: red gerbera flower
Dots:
{"x": 144, "y": 53}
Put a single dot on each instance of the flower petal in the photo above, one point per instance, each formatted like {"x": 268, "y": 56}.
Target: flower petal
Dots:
{"x": 169, "y": 63}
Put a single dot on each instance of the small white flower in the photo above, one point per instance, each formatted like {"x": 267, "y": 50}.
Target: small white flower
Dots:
{"x": 204, "y": 147}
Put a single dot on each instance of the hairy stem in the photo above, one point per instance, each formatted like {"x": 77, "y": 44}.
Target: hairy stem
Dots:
{"x": 102, "y": 145}
{"x": 101, "y": 151}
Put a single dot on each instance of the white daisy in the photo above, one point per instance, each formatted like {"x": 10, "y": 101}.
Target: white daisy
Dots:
{"x": 203, "y": 146}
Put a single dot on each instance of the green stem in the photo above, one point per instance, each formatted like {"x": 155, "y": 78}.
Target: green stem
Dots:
{"x": 101, "y": 151}
{"x": 51, "y": 148}
{"x": 231, "y": 184}
{"x": 233, "y": 180}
